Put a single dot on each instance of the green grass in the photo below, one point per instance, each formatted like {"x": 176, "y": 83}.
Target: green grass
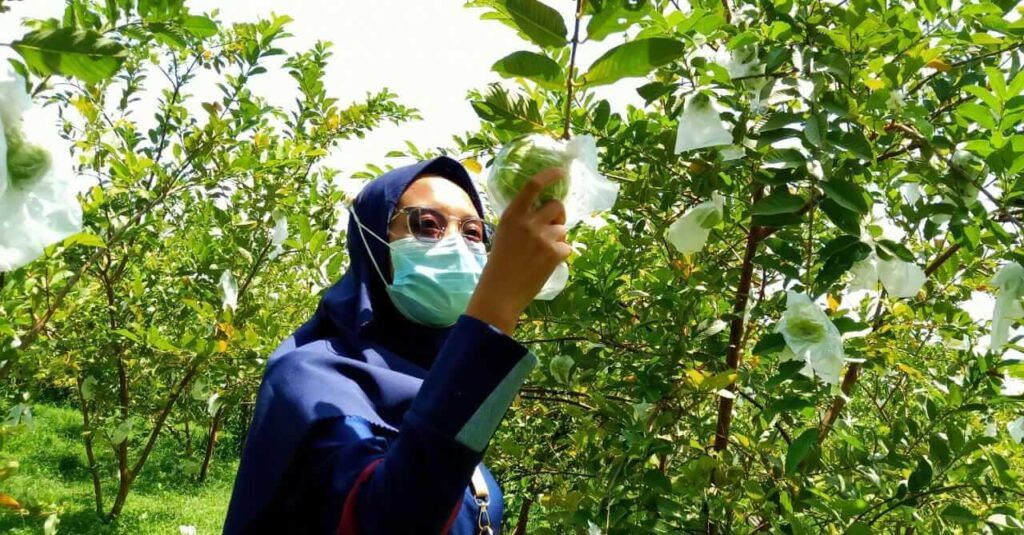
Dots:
{"x": 54, "y": 470}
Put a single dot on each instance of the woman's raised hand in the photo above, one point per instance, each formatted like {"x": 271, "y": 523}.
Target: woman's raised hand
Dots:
{"x": 528, "y": 246}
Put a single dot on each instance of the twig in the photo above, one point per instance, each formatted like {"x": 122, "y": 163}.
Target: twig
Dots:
{"x": 572, "y": 67}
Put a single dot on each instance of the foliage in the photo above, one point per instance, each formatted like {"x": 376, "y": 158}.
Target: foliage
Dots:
{"x": 821, "y": 140}
{"x": 127, "y": 319}
{"x": 55, "y": 475}
{"x": 684, "y": 409}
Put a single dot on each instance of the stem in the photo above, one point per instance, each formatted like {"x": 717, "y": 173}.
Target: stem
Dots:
{"x": 961, "y": 63}
{"x": 524, "y": 515}
{"x": 736, "y": 328}
{"x": 87, "y": 434}
{"x": 211, "y": 442}
{"x": 572, "y": 67}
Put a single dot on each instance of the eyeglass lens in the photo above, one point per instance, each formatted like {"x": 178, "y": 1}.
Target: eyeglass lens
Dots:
{"x": 430, "y": 224}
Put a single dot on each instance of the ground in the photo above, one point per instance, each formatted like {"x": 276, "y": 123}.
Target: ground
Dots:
{"x": 54, "y": 470}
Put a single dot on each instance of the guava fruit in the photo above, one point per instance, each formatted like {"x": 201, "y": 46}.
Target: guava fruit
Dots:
{"x": 25, "y": 161}
{"x": 523, "y": 158}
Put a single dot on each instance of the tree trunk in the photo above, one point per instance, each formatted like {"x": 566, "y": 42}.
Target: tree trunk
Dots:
{"x": 97, "y": 488}
{"x": 524, "y": 516}
{"x": 211, "y": 442}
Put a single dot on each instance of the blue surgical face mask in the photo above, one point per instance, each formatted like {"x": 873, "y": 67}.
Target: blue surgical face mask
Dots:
{"x": 433, "y": 281}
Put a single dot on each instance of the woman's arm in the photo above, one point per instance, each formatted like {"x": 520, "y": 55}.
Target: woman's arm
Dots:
{"x": 422, "y": 476}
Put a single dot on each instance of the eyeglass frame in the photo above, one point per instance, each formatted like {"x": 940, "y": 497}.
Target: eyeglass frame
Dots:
{"x": 489, "y": 229}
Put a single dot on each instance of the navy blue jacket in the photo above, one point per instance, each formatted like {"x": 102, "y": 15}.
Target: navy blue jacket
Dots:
{"x": 359, "y": 393}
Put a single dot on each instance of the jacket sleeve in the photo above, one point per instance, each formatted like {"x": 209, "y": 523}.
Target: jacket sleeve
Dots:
{"x": 416, "y": 484}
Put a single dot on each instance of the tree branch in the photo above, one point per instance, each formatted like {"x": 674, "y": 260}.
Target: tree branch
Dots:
{"x": 572, "y": 67}
{"x": 735, "y": 352}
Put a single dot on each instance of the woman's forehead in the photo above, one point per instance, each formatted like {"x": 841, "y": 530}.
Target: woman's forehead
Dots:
{"x": 438, "y": 193}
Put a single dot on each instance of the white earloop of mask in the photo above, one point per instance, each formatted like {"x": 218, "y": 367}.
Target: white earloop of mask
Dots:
{"x": 352, "y": 210}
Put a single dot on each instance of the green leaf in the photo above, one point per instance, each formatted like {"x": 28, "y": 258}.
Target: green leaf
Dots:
{"x": 921, "y": 476}
{"x": 769, "y": 343}
{"x": 87, "y": 239}
{"x": 958, "y": 514}
{"x": 892, "y": 248}
{"x": 617, "y": 16}
{"x": 995, "y": 79}
{"x": 653, "y": 90}
{"x": 846, "y": 220}
{"x": 784, "y": 158}
{"x": 635, "y": 58}
{"x": 800, "y": 449}
{"x": 840, "y": 262}
{"x": 977, "y": 113}
{"x": 814, "y": 129}
{"x": 855, "y": 143}
{"x": 83, "y": 54}
{"x": 781, "y": 119}
{"x": 779, "y": 202}
{"x": 532, "y": 66}
{"x": 848, "y": 195}
{"x": 199, "y": 26}
{"x": 540, "y": 22}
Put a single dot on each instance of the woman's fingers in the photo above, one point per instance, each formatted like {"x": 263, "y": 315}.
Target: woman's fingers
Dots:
{"x": 551, "y": 212}
{"x": 555, "y": 233}
{"x": 523, "y": 200}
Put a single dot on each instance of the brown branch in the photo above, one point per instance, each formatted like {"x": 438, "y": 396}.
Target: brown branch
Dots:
{"x": 735, "y": 352}
{"x": 557, "y": 400}
{"x": 558, "y": 392}
{"x": 961, "y": 63}
{"x": 87, "y": 436}
{"x": 524, "y": 515}
{"x": 572, "y": 67}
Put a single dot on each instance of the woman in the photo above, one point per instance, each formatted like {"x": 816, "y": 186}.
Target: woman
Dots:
{"x": 373, "y": 418}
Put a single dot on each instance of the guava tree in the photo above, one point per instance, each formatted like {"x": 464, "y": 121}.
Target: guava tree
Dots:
{"x": 768, "y": 333}
{"x": 206, "y": 219}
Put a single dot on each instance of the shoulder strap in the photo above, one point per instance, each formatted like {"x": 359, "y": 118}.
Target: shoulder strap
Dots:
{"x": 479, "y": 484}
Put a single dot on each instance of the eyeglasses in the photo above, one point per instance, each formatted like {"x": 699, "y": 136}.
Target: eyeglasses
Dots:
{"x": 427, "y": 224}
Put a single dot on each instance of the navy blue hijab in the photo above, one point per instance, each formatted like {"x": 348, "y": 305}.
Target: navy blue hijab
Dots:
{"x": 357, "y": 355}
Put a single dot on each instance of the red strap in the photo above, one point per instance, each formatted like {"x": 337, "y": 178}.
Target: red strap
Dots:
{"x": 348, "y": 513}
{"x": 451, "y": 519}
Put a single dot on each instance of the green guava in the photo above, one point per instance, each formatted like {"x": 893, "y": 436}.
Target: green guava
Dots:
{"x": 806, "y": 329}
{"x": 560, "y": 367}
{"x": 25, "y": 161}
{"x": 522, "y": 159}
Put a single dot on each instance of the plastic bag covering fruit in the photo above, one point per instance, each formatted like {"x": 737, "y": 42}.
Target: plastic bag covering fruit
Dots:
{"x": 555, "y": 283}
{"x": 1009, "y": 282}
{"x": 229, "y": 287}
{"x": 899, "y": 278}
{"x": 584, "y": 191}
{"x": 689, "y": 233}
{"x": 1016, "y": 429}
{"x": 700, "y": 126}
{"x": 560, "y": 367}
{"x": 525, "y": 157}
{"x": 38, "y": 203}
{"x": 864, "y": 274}
{"x": 812, "y": 337}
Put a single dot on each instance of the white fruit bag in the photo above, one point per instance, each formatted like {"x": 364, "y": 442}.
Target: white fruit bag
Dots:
{"x": 812, "y": 337}
{"x": 584, "y": 191}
